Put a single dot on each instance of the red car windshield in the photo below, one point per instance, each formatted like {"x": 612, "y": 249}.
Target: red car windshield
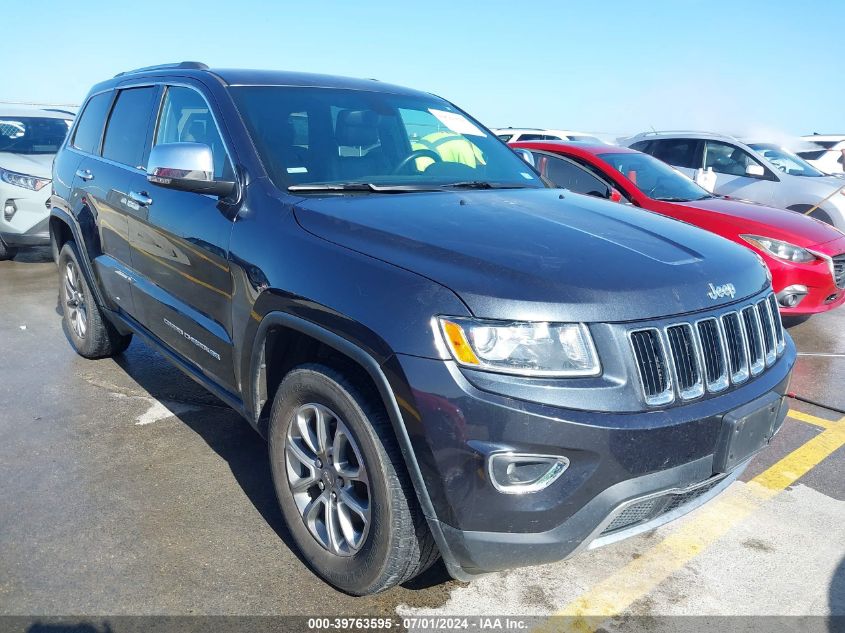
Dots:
{"x": 655, "y": 178}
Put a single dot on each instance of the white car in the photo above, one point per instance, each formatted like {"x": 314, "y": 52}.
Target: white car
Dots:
{"x": 825, "y": 152}
{"x": 513, "y": 134}
{"x": 759, "y": 172}
{"x": 29, "y": 140}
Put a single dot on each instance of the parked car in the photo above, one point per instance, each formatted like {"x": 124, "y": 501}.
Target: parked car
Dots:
{"x": 825, "y": 152}
{"x": 511, "y": 135}
{"x": 760, "y": 173}
{"x": 805, "y": 256}
{"x": 447, "y": 357}
{"x": 29, "y": 139}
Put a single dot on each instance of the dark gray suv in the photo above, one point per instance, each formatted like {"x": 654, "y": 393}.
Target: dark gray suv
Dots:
{"x": 447, "y": 357}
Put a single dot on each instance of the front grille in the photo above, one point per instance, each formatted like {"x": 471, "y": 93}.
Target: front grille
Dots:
{"x": 684, "y": 359}
{"x": 648, "y": 509}
{"x": 651, "y": 365}
{"x": 839, "y": 270}
{"x": 713, "y": 350}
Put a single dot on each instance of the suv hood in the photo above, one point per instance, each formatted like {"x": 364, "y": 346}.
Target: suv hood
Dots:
{"x": 528, "y": 254}
{"x": 39, "y": 165}
{"x": 758, "y": 219}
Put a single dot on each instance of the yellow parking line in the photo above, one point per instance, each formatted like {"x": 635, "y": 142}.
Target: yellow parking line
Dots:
{"x": 810, "y": 419}
{"x": 642, "y": 575}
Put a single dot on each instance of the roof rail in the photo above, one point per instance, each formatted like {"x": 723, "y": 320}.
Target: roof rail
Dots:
{"x": 702, "y": 132}
{"x": 182, "y": 65}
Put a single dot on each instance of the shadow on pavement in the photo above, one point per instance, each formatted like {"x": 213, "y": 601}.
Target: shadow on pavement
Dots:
{"x": 837, "y": 598}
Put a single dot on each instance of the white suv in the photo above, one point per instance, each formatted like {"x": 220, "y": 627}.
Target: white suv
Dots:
{"x": 513, "y": 134}
{"x": 29, "y": 139}
{"x": 759, "y": 172}
{"x": 825, "y": 152}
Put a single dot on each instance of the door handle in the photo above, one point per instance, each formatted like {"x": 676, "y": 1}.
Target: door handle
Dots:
{"x": 85, "y": 174}
{"x": 141, "y": 198}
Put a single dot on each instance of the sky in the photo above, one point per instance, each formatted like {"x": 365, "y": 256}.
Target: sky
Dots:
{"x": 745, "y": 67}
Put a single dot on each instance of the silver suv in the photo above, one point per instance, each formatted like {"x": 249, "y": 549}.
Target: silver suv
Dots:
{"x": 759, "y": 172}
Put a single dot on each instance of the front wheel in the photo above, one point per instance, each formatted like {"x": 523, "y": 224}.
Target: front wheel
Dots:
{"x": 342, "y": 486}
{"x": 7, "y": 252}
{"x": 87, "y": 329}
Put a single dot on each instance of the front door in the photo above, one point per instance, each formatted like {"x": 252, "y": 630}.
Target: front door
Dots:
{"x": 181, "y": 248}
{"x": 731, "y": 165}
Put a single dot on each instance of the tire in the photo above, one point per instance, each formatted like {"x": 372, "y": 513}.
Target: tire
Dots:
{"x": 7, "y": 252}
{"x": 87, "y": 329}
{"x": 790, "y": 321}
{"x": 363, "y": 558}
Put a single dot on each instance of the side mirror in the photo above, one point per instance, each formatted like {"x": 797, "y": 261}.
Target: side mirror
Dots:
{"x": 755, "y": 170}
{"x": 615, "y": 195}
{"x": 186, "y": 167}
{"x": 525, "y": 155}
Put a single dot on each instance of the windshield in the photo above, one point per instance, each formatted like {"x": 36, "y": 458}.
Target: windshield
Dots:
{"x": 655, "y": 178}
{"x": 325, "y": 136}
{"x": 785, "y": 160}
{"x": 32, "y": 135}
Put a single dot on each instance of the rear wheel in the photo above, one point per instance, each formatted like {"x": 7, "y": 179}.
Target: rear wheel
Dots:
{"x": 87, "y": 329}
{"x": 342, "y": 486}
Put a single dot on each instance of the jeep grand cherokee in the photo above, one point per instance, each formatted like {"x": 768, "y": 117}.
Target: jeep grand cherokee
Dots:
{"x": 446, "y": 357}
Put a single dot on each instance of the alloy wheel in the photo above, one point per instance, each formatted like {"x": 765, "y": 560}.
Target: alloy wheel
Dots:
{"x": 328, "y": 479}
{"x": 75, "y": 300}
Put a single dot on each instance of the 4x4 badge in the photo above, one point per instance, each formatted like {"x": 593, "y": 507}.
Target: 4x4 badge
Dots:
{"x": 725, "y": 290}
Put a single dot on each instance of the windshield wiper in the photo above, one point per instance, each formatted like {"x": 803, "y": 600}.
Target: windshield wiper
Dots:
{"x": 358, "y": 186}
{"x": 479, "y": 184}
{"x": 671, "y": 199}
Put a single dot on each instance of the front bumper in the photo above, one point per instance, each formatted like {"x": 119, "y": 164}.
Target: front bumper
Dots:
{"x": 617, "y": 463}
{"x": 29, "y": 225}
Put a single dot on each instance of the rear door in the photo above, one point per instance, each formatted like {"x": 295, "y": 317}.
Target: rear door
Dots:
{"x": 682, "y": 153}
{"x": 99, "y": 193}
{"x": 180, "y": 246}
{"x": 730, "y": 164}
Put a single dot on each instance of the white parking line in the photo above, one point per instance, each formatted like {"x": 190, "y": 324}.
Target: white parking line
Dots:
{"x": 821, "y": 354}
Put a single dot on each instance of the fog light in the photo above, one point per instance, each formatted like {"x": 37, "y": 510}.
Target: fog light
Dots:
{"x": 791, "y": 296}
{"x": 9, "y": 209}
{"x": 520, "y": 473}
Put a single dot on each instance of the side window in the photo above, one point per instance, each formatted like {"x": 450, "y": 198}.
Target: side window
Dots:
{"x": 680, "y": 152}
{"x": 564, "y": 173}
{"x": 505, "y": 137}
{"x": 86, "y": 138}
{"x": 126, "y": 134}
{"x": 185, "y": 118}
{"x": 642, "y": 146}
{"x": 535, "y": 137}
{"x": 727, "y": 159}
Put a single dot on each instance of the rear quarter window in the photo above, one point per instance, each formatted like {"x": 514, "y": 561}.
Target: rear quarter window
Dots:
{"x": 86, "y": 138}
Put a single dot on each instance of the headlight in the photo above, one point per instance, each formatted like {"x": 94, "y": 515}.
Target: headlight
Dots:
{"x": 530, "y": 349}
{"x": 782, "y": 250}
{"x": 23, "y": 180}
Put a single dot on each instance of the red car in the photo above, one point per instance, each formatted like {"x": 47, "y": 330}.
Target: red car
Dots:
{"x": 806, "y": 256}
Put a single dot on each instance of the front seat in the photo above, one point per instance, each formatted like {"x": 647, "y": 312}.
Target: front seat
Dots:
{"x": 357, "y": 136}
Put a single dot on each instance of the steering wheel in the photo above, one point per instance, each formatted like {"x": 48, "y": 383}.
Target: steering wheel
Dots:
{"x": 417, "y": 153}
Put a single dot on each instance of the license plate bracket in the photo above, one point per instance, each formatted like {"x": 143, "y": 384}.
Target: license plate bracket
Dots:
{"x": 746, "y": 430}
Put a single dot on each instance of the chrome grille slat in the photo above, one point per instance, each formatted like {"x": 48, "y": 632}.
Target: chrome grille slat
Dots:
{"x": 655, "y": 376}
{"x": 684, "y": 360}
{"x": 754, "y": 336}
{"x": 839, "y": 270}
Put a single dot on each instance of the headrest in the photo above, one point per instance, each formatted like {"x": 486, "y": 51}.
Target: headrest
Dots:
{"x": 357, "y": 128}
